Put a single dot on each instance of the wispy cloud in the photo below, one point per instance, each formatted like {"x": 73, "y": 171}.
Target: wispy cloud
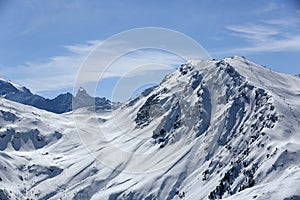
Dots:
{"x": 272, "y": 6}
{"x": 272, "y": 35}
{"x": 290, "y": 43}
{"x": 268, "y": 33}
{"x": 133, "y": 65}
{"x": 253, "y": 32}
{"x": 282, "y": 22}
{"x": 298, "y": 12}
{"x": 57, "y": 72}
{"x": 61, "y": 71}
{"x": 82, "y": 48}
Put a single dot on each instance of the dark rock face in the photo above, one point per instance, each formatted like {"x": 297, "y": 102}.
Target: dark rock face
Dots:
{"x": 7, "y": 87}
{"x": 18, "y": 139}
{"x": 143, "y": 117}
{"x": 60, "y": 104}
{"x": 8, "y": 116}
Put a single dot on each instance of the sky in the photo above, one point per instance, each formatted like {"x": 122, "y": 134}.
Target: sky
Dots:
{"x": 44, "y": 43}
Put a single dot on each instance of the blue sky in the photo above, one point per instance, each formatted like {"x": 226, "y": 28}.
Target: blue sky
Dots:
{"x": 43, "y": 43}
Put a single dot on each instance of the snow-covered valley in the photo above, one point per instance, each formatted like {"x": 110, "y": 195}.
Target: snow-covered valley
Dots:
{"x": 213, "y": 129}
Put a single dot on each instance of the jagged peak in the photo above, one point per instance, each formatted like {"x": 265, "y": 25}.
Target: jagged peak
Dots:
{"x": 81, "y": 92}
{"x": 81, "y": 89}
{"x": 257, "y": 75}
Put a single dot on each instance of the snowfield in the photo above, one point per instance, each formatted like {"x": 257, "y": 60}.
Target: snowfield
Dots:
{"x": 214, "y": 129}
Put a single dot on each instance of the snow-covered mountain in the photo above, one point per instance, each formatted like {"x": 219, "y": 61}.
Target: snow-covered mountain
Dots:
{"x": 60, "y": 104}
{"x": 225, "y": 129}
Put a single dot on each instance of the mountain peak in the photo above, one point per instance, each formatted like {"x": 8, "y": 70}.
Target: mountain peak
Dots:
{"x": 81, "y": 89}
{"x": 82, "y": 93}
{"x": 229, "y": 127}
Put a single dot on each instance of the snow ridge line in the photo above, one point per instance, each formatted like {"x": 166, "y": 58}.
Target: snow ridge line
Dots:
{"x": 281, "y": 96}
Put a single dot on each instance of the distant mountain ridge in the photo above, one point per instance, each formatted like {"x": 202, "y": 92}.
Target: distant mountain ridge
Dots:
{"x": 60, "y": 104}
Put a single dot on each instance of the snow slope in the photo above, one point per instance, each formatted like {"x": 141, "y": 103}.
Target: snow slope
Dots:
{"x": 225, "y": 129}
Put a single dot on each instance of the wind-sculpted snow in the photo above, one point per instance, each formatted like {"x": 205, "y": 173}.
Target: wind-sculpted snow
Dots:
{"x": 212, "y": 129}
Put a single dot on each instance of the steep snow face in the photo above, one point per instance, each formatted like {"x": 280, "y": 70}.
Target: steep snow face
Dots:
{"x": 212, "y": 129}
